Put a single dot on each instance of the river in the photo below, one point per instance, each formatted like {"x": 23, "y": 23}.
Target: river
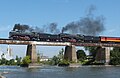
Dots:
{"x": 61, "y": 72}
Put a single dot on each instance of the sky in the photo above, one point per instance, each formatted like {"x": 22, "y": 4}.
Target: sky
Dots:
{"x": 62, "y": 12}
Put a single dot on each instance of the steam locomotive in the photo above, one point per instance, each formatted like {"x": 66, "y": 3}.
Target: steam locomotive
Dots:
{"x": 62, "y": 37}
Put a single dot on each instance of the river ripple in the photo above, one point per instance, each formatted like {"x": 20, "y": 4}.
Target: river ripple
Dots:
{"x": 61, "y": 72}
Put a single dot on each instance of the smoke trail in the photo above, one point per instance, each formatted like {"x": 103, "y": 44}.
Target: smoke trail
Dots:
{"x": 50, "y": 28}
{"x": 71, "y": 27}
{"x": 91, "y": 26}
{"x": 88, "y": 25}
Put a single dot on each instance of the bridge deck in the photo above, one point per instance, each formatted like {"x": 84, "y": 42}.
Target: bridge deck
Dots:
{"x": 21, "y": 42}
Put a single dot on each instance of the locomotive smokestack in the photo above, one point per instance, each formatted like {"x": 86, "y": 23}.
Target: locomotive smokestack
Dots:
{"x": 62, "y": 31}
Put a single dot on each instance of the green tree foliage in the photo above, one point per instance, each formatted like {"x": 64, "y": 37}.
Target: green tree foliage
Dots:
{"x": 92, "y": 51}
{"x": 3, "y": 61}
{"x": 64, "y": 63}
{"x": 61, "y": 54}
{"x": 115, "y": 56}
{"x": 26, "y": 60}
{"x": 55, "y": 60}
{"x": 11, "y": 62}
{"x": 38, "y": 57}
{"x": 18, "y": 60}
{"x": 81, "y": 56}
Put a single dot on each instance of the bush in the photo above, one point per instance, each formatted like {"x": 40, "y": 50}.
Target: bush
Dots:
{"x": 26, "y": 61}
{"x": 63, "y": 63}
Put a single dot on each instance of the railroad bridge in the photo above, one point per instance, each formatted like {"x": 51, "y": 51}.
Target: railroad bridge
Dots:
{"x": 70, "y": 51}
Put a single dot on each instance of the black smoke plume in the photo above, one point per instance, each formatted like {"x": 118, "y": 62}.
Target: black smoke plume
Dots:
{"x": 50, "y": 28}
{"x": 20, "y": 27}
{"x": 88, "y": 25}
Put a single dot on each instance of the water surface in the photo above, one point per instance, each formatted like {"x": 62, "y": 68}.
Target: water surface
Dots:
{"x": 61, "y": 72}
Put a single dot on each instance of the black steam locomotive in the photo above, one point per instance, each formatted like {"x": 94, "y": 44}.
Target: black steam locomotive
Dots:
{"x": 24, "y": 32}
{"x": 62, "y": 37}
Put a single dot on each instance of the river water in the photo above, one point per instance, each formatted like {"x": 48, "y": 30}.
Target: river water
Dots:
{"x": 61, "y": 72}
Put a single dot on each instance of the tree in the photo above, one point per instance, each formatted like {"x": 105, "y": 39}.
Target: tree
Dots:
{"x": 2, "y": 56}
{"x": 18, "y": 60}
{"x": 38, "y": 57}
{"x": 81, "y": 56}
{"x": 115, "y": 56}
{"x": 61, "y": 54}
{"x": 92, "y": 51}
{"x": 3, "y": 61}
{"x": 26, "y": 60}
{"x": 55, "y": 60}
{"x": 11, "y": 62}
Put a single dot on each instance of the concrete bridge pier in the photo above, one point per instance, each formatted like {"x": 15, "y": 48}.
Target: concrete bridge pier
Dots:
{"x": 107, "y": 55}
{"x": 103, "y": 55}
{"x": 31, "y": 51}
{"x": 70, "y": 53}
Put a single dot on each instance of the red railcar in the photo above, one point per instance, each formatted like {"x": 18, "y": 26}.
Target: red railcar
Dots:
{"x": 110, "y": 39}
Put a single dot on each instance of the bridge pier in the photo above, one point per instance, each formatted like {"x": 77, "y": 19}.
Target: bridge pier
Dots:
{"x": 107, "y": 55}
{"x": 31, "y": 51}
{"x": 70, "y": 53}
{"x": 103, "y": 55}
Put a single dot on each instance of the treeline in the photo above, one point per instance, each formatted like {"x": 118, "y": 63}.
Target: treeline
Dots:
{"x": 82, "y": 58}
{"x": 16, "y": 61}
{"x": 115, "y": 56}
{"x": 90, "y": 59}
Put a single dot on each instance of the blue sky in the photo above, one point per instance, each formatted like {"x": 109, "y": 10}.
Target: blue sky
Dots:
{"x": 42, "y": 12}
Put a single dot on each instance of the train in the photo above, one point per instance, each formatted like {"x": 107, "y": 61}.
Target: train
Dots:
{"x": 62, "y": 37}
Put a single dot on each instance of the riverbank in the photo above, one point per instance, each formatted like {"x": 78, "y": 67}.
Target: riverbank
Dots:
{"x": 75, "y": 65}
{"x": 2, "y": 74}
{"x": 2, "y": 77}
{"x": 72, "y": 65}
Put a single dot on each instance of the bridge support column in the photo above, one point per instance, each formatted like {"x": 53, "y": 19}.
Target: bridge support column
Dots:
{"x": 70, "y": 53}
{"x": 31, "y": 51}
{"x": 103, "y": 55}
{"x": 107, "y": 55}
